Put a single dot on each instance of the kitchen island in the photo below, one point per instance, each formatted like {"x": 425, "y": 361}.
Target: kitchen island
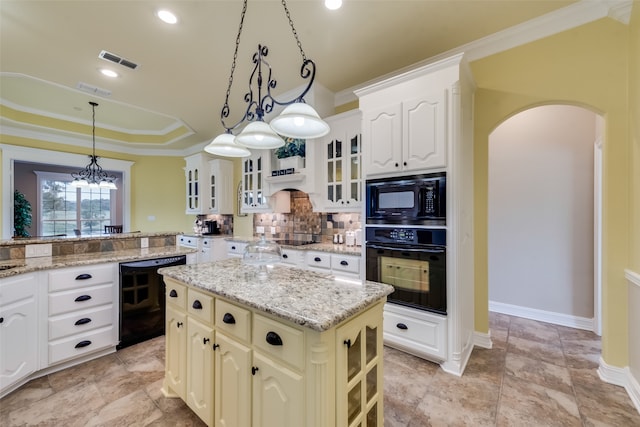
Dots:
{"x": 296, "y": 348}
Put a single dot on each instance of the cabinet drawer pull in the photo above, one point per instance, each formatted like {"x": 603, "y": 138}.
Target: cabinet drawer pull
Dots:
{"x": 228, "y": 319}
{"x": 254, "y": 369}
{"x": 317, "y": 259}
{"x": 344, "y": 262}
{"x": 205, "y": 340}
{"x": 285, "y": 256}
{"x": 347, "y": 343}
{"x": 83, "y": 298}
{"x": 83, "y": 344}
{"x": 233, "y": 248}
{"x": 402, "y": 326}
{"x": 83, "y": 277}
{"x": 273, "y": 338}
{"x": 197, "y": 305}
{"x": 173, "y": 293}
{"x": 1, "y": 319}
{"x": 83, "y": 321}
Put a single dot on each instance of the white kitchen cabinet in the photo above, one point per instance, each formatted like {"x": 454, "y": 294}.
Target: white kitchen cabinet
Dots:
{"x": 407, "y": 136}
{"x": 254, "y": 195}
{"x": 213, "y": 249}
{"x": 175, "y": 379}
{"x": 341, "y": 176}
{"x": 347, "y": 266}
{"x": 200, "y": 369}
{"x": 235, "y": 249}
{"x": 83, "y": 311}
{"x": 18, "y": 328}
{"x": 293, "y": 257}
{"x": 221, "y": 192}
{"x": 195, "y": 172}
{"x": 232, "y": 383}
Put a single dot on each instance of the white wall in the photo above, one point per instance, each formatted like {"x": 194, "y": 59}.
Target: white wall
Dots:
{"x": 541, "y": 211}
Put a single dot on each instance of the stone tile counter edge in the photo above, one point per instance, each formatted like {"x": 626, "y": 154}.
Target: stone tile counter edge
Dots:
{"x": 313, "y": 300}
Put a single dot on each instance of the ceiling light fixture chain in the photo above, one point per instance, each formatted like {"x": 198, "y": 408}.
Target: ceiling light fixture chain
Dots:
{"x": 225, "y": 108}
{"x": 92, "y": 175}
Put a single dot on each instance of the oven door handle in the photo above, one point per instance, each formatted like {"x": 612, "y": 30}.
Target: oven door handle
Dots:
{"x": 439, "y": 250}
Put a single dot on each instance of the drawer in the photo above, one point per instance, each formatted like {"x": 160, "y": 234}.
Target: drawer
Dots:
{"x": 18, "y": 288}
{"x": 200, "y": 305}
{"x": 279, "y": 340}
{"x": 425, "y": 331}
{"x": 77, "y": 345}
{"x": 79, "y": 299}
{"x": 233, "y": 320}
{"x": 77, "y": 277}
{"x": 318, "y": 259}
{"x": 188, "y": 241}
{"x": 80, "y": 321}
{"x": 236, "y": 248}
{"x": 176, "y": 294}
{"x": 293, "y": 257}
{"x": 346, "y": 263}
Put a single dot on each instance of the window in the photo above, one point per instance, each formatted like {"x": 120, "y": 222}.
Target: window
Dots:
{"x": 67, "y": 210}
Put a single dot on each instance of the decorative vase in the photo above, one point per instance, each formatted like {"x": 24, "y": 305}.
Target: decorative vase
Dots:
{"x": 295, "y": 162}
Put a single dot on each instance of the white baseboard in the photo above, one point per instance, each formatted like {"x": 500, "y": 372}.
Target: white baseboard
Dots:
{"x": 483, "y": 340}
{"x": 621, "y": 377}
{"x": 543, "y": 316}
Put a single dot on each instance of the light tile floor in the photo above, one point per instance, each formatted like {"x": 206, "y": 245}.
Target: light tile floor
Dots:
{"x": 537, "y": 374}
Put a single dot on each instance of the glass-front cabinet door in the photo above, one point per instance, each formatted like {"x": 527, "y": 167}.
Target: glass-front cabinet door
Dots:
{"x": 359, "y": 372}
{"x": 254, "y": 197}
{"x": 343, "y": 157}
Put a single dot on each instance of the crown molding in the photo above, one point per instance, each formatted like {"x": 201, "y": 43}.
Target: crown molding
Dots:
{"x": 564, "y": 19}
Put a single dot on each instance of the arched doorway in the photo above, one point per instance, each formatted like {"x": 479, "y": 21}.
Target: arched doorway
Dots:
{"x": 543, "y": 216}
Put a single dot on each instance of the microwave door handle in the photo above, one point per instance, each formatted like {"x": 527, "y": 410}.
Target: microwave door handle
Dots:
{"x": 389, "y": 248}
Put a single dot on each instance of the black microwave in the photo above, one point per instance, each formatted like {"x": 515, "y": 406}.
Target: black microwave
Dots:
{"x": 410, "y": 200}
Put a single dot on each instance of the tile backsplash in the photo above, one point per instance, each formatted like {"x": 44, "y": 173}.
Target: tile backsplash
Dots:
{"x": 304, "y": 224}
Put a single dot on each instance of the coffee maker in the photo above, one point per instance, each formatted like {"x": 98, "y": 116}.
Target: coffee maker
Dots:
{"x": 211, "y": 227}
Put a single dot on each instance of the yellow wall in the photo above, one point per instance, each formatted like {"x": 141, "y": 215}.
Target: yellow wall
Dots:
{"x": 634, "y": 131}
{"x": 585, "y": 66}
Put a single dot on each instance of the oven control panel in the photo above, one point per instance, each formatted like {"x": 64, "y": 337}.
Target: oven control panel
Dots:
{"x": 402, "y": 235}
{"x": 406, "y": 235}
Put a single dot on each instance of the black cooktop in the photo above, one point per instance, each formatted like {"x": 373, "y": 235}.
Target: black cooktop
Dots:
{"x": 294, "y": 242}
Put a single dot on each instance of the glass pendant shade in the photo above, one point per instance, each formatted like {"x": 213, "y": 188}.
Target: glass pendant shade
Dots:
{"x": 300, "y": 120}
{"x": 225, "y": 145}
{"x": 259, "y": 135}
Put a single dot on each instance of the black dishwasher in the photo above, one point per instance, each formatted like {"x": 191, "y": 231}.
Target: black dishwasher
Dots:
{"x": 142, "y": 299}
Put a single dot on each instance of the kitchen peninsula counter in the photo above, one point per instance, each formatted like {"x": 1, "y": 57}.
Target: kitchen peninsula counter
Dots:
{"x": 313, "y": 300}
{"x": 296, "y": 348}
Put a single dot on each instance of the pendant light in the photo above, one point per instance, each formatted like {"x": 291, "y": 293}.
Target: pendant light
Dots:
{"x": 224, "y": 145}
{"x": 93, "y": 176}
{"x": 298, "y": 120}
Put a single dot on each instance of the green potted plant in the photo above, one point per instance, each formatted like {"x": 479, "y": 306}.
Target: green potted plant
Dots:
{"x": 21, "y": 215}
{"x": 291, "y": 154}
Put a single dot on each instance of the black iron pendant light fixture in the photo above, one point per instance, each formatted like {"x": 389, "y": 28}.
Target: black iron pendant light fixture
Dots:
{"x": 93, "y": 176}
{"x": 297, "y": 120}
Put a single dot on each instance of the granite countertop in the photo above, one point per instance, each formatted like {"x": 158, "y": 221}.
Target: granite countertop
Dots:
{"x": 322, "y": 247}
{"x": 29, "y": 265}
{"x": 313, "y": 300}
{"x": 69, "y": 238}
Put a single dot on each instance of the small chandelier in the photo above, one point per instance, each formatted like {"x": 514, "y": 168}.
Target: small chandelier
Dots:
{"x": 93, "y": 176}
{"x": 297, "y": 120}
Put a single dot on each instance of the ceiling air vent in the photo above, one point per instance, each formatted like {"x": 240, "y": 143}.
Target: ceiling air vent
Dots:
{"x": 112, "y": 57}
{"x": 86, "y": 87}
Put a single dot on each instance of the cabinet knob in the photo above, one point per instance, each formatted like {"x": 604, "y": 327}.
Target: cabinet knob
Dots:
{"x": 397, "y": 165}
{"x": 83, "y": 344}
{"x": 82, "y": 321}
{"x": 205, "y": 340}
{"x": 229, "y": 319}
{"x": 402, "y": 326}
{"x": 285, "y": 256}
{"x": 254, "y": 369}
{"x": 404, "y": 163}
{"x": 83, "y": 277}
{"x": 347, "y": 343}
{"x": 273, "y": 338}
{"x": 216, "y": 346}
{"x": 173, "y": 293}
{"x": 83, "y": 298}
{"x": 233, "y": 248}
{"x": 197, "y": 305}
{"x": 179, "y": 324}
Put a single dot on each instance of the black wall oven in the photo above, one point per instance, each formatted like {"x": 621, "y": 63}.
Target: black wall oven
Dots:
{"x": 413, "y": 261}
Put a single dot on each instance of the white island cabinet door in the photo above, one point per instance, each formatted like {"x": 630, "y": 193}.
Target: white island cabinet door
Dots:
{"x": 18, "y": 329}
{"x": 200, "y": 369}
{"x": 278, "y": 394}
{"x": 233, "y": 383}
{"x": 175, "y": 381}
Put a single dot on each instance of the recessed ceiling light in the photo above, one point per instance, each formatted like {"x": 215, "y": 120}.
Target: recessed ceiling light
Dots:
{"x": 167, "y": 16}
{"x": 333, "y": 4}
{"x": 108, "y": 73}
